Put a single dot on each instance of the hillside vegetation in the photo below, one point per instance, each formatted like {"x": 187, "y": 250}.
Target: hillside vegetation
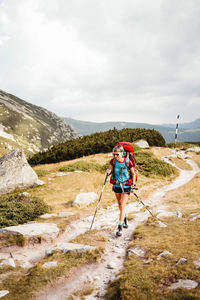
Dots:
{"x": 101, "y": 142}
{"x": 30, "y": 127}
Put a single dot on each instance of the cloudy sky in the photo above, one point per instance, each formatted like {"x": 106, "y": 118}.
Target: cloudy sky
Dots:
{"x": 103, "y": 60}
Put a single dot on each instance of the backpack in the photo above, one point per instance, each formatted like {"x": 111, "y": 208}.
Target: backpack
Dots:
{"x": 129, "y": 156}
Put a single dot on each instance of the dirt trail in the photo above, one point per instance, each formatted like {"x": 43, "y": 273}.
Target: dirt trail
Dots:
{"x": 99, "y": 274}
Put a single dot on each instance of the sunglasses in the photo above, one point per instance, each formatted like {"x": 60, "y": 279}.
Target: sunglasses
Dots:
{"x": 115, "y": 154}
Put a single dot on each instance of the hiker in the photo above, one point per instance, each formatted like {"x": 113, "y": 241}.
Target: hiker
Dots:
{"x": 123, "y": 180}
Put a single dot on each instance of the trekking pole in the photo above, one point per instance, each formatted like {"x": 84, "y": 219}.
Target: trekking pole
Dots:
{"x": 160, "y": 223}
{"x": 99, "y": 200}
{"x": 143, "y": 204}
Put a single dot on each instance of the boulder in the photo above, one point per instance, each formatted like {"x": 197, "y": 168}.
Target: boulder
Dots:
{"x": 15, "y": 172}
{"x": 8, "y": 262}
{"x": 47, "y": 231}
{"x": 3, "y": 293}
{"x": 85, "y": 199}
{"x": 70, "y": 247}
{"x": 142, "y": 144}
{"x": 184, "y": 283}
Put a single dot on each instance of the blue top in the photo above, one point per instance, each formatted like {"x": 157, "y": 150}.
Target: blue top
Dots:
{"x": 121, "y": 172}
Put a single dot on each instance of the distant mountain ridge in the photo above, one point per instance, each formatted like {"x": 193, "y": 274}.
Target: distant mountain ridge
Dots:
{"x": 30, "y": 127}
{"x": 191, "y": 133}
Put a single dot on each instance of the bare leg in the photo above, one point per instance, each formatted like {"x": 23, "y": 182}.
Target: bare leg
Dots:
{"x": 122, "y": 200}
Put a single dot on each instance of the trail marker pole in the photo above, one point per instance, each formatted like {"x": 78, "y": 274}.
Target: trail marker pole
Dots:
{"x": 176, "y": 134}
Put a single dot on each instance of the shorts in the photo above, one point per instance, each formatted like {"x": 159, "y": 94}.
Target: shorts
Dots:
{"x": 118, "y": 190}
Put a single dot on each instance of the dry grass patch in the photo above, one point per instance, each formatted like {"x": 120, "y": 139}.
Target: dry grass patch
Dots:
{"x": 186, "y": 198}
{"x": 180, "y": 163}
{"x": 23, "y": 285}
{"x": 159, "y": 152}
{"x": 92, "y": 238}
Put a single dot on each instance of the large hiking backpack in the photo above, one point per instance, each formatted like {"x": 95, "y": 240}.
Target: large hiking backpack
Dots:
{"x": 129, "y": 156}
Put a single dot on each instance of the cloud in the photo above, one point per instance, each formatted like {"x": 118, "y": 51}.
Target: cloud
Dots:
{"x": 103, "y": 60}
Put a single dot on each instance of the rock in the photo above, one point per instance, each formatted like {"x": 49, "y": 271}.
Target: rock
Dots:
{"x": 25, "y": 194}
{"x": 184, "y": 283}
{"x": 161, "y": 224}
{"x": 39, "y": 182}
{"x": 164, "y": 253}
{"x": 142, "y": 144}
{"x": 193, "y": 149}
{"x": 48, "y": 231}
{"x": 15, "y": 172}
{"x": 50, "y": 264}
{"x": 195, "y": 218}
{"x": 111, "y": 265}
{"x": 138, "y": 251}
{"x": 147, "y": 261}
{"x": 70, "y": 247}
{"x": 3, "y": 293}
{"x": 89, "y": 278}
{"x": 65, "y": 214}
{"x": 8, "y": 262}
{"x": 197, "y": 263}
{"x": 59, "y": 215}
{"x": 47, "y": 216}
{"x": 179, "y": 214}
{"x": 25, "y": 264}
{"x": 85, "y": 199}
{"x": 181, "y": 260}
{"x": 49, "y": 252}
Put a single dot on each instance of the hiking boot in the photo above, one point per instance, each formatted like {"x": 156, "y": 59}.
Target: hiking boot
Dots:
{"x": 119, "y": 230}
{"x": 125, "y": 224}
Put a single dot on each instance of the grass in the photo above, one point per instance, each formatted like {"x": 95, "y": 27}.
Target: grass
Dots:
{"x": 181, "y": 237}
{"x": 23, "y": 285}
{"x": 85, "y": 167}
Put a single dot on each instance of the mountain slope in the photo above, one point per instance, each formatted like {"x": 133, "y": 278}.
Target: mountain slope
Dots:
{"x": 184, "y": 134}
{"x": 30, "y": 127}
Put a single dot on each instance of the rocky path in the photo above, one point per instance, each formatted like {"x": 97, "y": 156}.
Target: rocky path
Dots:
{"x": 101, "y": 273}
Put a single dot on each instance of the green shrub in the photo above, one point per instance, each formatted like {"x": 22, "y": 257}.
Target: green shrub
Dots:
{"x": 17, "y": 209}
{"x": 100, "y": 142}
{"x": 150, "y": 165}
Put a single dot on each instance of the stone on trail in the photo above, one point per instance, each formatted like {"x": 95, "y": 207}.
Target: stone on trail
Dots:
{"x": 48, "y": 231}
{"x": 111, "y": 265}
{"x": 195, "y": 218}
{"x": 184, "y": 283}
{"x": 181, "y": 260}
{"x": 138, "y": 251}
{"x": 58, "y": 215}
{"x": 50, "y": 264}
{"x": 197, "y": 263}
{"x": 15, "y": 172}
{"x": 164, "y": 253}
{"x": 161, "y": 224}
{"x": 85, "y": 199}
{"x": 70, "y": 247}
{"x": 3, "y": 293}
{"x": 8, "y": 262}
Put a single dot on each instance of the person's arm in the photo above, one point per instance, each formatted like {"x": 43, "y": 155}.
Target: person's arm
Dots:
{"x": 133, "y": 174}
{"x": 110, "y": 170}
